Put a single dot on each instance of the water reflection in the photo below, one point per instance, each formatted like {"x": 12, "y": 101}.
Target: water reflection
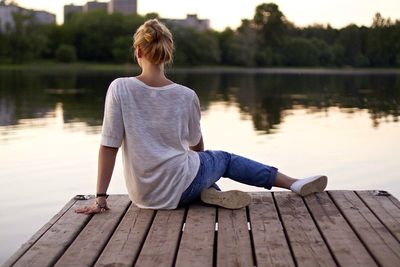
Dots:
{"x": 265, "y": 98}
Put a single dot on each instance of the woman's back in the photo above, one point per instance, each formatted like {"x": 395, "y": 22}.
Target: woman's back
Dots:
{"x": 157, "y": 126}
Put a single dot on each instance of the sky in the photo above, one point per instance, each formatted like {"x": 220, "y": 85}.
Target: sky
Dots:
{"x": 229, "y": 13}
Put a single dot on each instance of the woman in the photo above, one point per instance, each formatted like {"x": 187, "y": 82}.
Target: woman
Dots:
{"x": 157, "y": 123}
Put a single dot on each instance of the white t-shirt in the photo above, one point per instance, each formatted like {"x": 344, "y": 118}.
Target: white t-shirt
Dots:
{"x": 155, "y": 126}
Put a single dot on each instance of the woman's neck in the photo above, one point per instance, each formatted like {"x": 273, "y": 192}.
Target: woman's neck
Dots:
{"x": 153, "y": 75}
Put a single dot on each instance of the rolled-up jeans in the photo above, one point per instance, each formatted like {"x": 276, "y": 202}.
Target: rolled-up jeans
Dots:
{"x": 215, "y": 164}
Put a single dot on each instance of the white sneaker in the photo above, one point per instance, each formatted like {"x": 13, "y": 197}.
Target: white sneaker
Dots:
{"x": 309, "y": 185}
{"x": 233, "y": 199}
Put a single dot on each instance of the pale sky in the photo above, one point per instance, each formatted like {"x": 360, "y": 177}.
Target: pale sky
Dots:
{"x": 224, "y": 13}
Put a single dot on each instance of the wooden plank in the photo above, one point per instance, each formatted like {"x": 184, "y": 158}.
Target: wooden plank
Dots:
{"x": 342, "y": 241}
{"x": 28, "y": 244}
{"x": 161, "y": 243}
{"x": 270, "y": 244}
{"x": 56, "y": 239}
{"x": 308, "y": 246}
{"x": 385, "y": 209}
{"x": 126, "y": 242}
{"x": 395, "y": 201}
{"x": 379, "y": 241}
{"x": 87, "y": 246}
{"x": 233, "y": 243}
{"x": 197, "y": 243}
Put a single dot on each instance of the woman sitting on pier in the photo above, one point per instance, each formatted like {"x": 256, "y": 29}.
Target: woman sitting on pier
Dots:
{"x": 157, "y": 123}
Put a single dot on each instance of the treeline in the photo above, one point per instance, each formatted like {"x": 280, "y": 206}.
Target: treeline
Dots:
{"x": 268, "y": 39}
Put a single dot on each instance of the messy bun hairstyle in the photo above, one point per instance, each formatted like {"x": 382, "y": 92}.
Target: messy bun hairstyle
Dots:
{"x": 155, "y": 40}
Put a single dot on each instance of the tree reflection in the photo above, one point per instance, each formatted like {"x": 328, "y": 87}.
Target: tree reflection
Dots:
{"x": 267, "y": 98}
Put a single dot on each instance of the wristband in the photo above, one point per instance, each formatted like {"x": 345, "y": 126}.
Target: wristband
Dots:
{"x": 101, "y": 195}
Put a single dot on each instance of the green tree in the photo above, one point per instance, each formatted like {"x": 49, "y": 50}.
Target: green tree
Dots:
{"x": 194, "y": 47}
{"x": 66, "y": 53}
{"x": 271, "y": 24}
{"x": 122, "y": 49}
{"x": 25, "y": 41}
{"x": 353, "y": 39}
{"x": 237, "y": 47}
{"x": 300, "y": 52}
{"x": 324, "y": 52}
{"x": 338, "y": 52}
{"x": 94, "y": 34}
{"x": 382, "y": 41}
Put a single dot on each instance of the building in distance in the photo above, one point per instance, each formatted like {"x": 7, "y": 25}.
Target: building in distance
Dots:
{"x": 44, "y": 17}
{"x": 122, "y": 6}
{"x": 130, "y": 7}
{"x": 7, "y": 12}
{"x": 94, "y": 5}
{"x": 6, "y": 15}
{"x": 191, "y": 21}
{"x": 71, "y": 9}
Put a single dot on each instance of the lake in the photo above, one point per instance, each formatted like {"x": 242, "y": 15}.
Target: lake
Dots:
{"x": 344, "y": 124}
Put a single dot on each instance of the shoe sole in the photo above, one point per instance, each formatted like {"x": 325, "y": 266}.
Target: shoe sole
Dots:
{"x": 233, "y": 199}
{"x": 318, "y": 185}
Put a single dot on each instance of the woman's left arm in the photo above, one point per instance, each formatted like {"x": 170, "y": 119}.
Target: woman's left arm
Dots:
{"x": 199, "y": 147}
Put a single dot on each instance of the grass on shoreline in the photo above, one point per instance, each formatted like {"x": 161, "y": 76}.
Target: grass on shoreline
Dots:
{"x": 129, "y": 68}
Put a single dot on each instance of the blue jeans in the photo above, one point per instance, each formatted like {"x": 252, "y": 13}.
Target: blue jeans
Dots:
{"x": 215, "y": 164}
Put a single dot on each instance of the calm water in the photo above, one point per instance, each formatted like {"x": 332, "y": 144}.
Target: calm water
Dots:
{"x": 343, "y": 125}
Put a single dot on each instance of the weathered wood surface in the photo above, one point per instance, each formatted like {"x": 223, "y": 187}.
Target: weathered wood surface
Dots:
{"x": 93, "y": 238}
{"x": 383, "y": 246}
{"x": 197, "y": 244}
{"x": 308, "y": 246}
{"x": 270, "y": 243}
{"x": 333, "y": 228}
{"x": 234, "y": 243}
{"x": 343, "y": 242}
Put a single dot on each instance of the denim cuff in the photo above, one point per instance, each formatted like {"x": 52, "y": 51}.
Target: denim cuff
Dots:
{"x": 272, "y": 177}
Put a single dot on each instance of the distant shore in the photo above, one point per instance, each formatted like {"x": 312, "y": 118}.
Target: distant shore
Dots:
{"x": 51, "y": 67}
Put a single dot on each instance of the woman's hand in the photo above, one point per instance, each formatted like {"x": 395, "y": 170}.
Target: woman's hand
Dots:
{"x": 99, "y": 206}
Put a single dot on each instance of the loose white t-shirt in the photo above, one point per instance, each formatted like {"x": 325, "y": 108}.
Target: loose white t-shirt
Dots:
{"x": 155, "y": 126}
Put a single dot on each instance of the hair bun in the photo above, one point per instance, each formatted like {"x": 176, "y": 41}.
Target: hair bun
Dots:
{"x": 153, "y": 31}
{"x": 155, "y": 40}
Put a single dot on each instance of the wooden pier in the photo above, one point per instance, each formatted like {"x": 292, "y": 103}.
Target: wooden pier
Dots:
{"x": 333, "y": 228}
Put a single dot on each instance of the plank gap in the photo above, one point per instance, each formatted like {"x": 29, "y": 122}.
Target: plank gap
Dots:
{"x": 321, "y": 233}
{"x": 215, "y": 245}
{"x": 284, "y": 229}
{"x": 145, "y": 237}
{"x": 253, "y": 249}
{"x": 180, "y": 235}
{"x": 376, "y": 215}
{"x": 353, "y": 229}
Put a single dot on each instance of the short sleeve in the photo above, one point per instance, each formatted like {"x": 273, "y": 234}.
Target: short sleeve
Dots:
{"x": 112, "y": 132}
{"x": 194, "y": 121}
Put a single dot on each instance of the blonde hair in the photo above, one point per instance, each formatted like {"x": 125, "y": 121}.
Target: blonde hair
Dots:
{"x": 155, "y": 40}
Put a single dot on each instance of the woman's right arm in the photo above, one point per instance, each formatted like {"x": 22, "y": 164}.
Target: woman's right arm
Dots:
{"x": 105, "y": 168}
{"x": 111, "y": 139}
{"x": 106, "y": 165}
